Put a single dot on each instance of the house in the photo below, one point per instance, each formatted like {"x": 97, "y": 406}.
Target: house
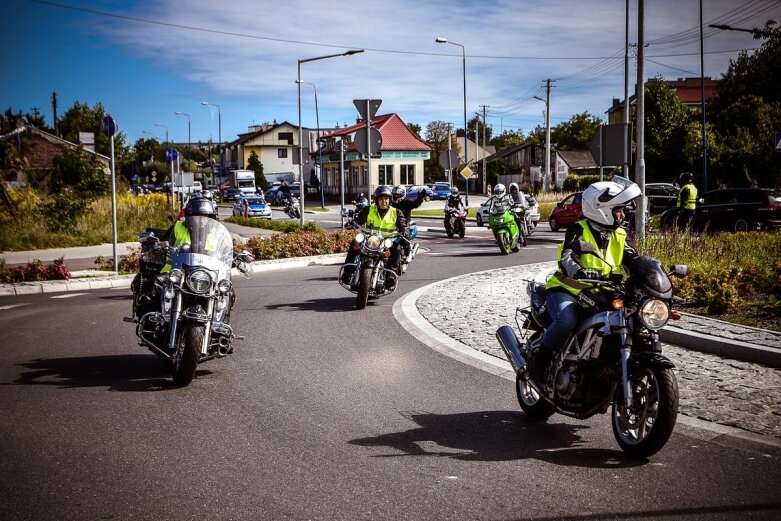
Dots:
{"x": 527, "y": 163}
{"x": 276, "y": 145}
{"x": 688, "y": 90}
{"x": 36, "y": 152}
{"x": 400, "y": 159}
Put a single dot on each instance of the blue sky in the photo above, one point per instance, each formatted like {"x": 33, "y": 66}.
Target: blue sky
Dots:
{"x": 144, "y": 60}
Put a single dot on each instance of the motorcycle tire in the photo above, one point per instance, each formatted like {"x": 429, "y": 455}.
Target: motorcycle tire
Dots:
{"x": 645, "y": 428}
{"x": 461, "y": 229}
{"x": 530, "y": 401}
{"x": 449, "y": 233}
{"x": 185, "y": 361}
{"x": 504, "y": 243}
{"x": 523, "y": 234}
{"x": 363, "y": 288}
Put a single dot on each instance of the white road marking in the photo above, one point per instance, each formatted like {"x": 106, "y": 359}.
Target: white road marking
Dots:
{"x": 11, "y": 306}
{"x": 69, "y": 295}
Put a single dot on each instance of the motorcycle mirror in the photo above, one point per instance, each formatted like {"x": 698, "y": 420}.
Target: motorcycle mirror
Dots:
{"x": 344, "y": 212}
{"x": 184, "y": 248}
{"x": 680, "y": 270}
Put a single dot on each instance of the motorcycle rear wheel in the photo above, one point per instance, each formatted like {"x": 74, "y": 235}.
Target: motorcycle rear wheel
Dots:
{"x": 363, "y": 288}
{"x": 185, "y": 361}
{"x": 529, "y": 399}
{"x": 642, "y": 430}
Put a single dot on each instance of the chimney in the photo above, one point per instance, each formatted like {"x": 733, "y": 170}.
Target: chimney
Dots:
{"x": 358, "y": 120}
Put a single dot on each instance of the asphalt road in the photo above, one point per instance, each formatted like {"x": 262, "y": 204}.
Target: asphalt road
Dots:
{"x": 323, "y": 412}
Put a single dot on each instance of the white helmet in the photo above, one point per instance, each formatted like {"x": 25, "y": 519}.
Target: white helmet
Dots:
{"x": 601, "y": 197}
{"x": 499, "y": 190}
{"x": 399, "y": 193}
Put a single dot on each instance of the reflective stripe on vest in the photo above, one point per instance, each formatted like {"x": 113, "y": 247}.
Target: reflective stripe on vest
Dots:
{"x": 614, "y": 255}
{"x": 385, "y": 225}
{"x": 691, "y": 201}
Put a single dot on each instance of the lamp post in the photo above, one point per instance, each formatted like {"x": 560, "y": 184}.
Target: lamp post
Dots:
{"x": 188, "y": 132}
{"x": 166, "y": 131}
{"x": 463, "y": 61}
{"x": 319, "y": 148}
{"x": 300, "y": 130}
{"x": 219, "y": 134}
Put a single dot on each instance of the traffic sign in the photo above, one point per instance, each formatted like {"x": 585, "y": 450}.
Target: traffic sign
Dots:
{"x": 374, "y": 105}
{"x": 360, "y": 140}
{"x": 171, "y": 154}
{"x": 109, "y": 127}
{"x": 467, "y": 172}
{"x": 778, "y": 141}
{"x": 448, "y": 159}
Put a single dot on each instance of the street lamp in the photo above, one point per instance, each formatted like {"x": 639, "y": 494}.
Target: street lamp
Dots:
{"x": 166, "y": 131}
{"x": 300, "y": 130}
{"x": 319, "y": 148}
{"x": 755, "y": 32}
{"x": 188, "y": 132}
{"x": 219, "y": 135}
{"x": 466, "y": 154}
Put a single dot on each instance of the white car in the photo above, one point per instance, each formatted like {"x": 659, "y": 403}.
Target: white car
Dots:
{"x": 534, "y": 213}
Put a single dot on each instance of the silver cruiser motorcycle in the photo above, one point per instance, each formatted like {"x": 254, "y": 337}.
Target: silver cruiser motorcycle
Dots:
{"x": 613, "y": 357}
{"x": 183, "y": 316}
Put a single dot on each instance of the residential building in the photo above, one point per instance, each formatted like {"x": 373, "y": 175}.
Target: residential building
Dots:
{"x": 527, "y": 162}
{"x": 688, "y": 91}
{"x": 399, "y": 161}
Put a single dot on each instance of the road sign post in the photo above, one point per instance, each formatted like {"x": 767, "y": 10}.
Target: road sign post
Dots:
{"x": 367, "y": 108}
{"x": 109, "y": 128}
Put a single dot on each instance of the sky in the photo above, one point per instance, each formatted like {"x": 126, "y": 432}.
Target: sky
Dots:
{"x": 144, "y": 60}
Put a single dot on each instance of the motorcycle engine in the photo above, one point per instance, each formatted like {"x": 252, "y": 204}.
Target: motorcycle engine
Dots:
{"x": 567, "y": 379}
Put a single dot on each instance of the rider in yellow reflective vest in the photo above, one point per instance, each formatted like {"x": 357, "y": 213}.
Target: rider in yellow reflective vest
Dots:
{"x": 603, "y": 212}
{"x": 687, "y": 201}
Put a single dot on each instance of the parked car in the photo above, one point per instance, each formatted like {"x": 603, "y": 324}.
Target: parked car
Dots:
{"x": 413, "y": 192}
{"x": 732, "y": 209}
{"x": 271, "y": 191}
{"x": 257, "y": 207}
{"x": 440, "y": 190}
{"x": 481, "y": 216}
{"x": 567, "y": 212}
{"x": 661, "y": 196}
{"x": 231, "y": 194}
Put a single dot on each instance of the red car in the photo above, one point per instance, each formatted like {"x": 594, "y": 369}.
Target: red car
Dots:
{"x": 567, "y": 212}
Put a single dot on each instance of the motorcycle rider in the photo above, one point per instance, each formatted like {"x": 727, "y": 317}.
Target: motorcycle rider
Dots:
{"x": 603, "y": 212}
{"x": 380, "y": 216}
{"x": 519, "y": 200}
{"x": 687, "y": 201}
{"x": 453, "y": 201}
{"x": 400, "y": 202}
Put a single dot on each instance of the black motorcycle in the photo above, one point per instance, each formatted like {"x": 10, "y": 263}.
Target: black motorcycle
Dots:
{"x": 613, "y": 356}
{"x": 183, "y": 316}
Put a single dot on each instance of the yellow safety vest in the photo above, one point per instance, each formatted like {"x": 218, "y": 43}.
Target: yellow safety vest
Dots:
{"x": 614, "y": 255}
{"x": 385, "y": 225}
{"x": 182, "y": 236}
{"x": 691, "y": 201}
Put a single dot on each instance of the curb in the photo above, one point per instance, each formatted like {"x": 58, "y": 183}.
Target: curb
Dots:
{"x": 727, "y": 348}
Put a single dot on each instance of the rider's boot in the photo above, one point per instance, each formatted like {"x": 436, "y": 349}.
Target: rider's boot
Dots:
{"x": 541, "y": 363}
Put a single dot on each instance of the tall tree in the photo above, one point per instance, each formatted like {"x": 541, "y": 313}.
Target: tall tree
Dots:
{"x": 507, "y": 139}
{"x": 576, "y": 133}
{"x": 437, "y": 133}
{"x": 254, "y": 164}
{"x": 415, "y": 128}
{"x": 666, "y": 131}
{"x": 81, "y": 118}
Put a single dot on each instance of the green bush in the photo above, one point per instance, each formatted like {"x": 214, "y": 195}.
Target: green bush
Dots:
{"x": 299, "y": 243}
{"x": 277, "y": 226}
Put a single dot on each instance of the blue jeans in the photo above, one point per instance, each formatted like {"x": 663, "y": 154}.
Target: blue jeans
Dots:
{"x": 563, "y": 309}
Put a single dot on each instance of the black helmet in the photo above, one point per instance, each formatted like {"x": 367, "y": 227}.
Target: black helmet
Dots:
{"x": 686, "y": 178}
{"x": 383, "y": 190}
{"x": 200, "y": 206}
{"x": 399, "y": 193}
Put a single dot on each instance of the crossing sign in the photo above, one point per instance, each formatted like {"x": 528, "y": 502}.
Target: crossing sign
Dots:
{"x": 777, "y": 141}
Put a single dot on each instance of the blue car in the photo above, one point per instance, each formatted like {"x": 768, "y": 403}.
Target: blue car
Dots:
{"x": 413, "y": 192}
{"x": 257, "y": 207}
{"x": 441, "y": 190}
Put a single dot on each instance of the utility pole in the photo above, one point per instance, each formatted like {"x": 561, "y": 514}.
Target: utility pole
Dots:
{"x": 640, "y": 95}
{"x": 547, "y": 133}
{"x": 485, "y": 172}
{"x": 626, "y": 97}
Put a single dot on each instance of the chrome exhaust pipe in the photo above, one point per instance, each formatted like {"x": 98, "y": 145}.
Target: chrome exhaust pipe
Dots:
{"x": 512, "y": 348}
{"x": 224, "y": 347}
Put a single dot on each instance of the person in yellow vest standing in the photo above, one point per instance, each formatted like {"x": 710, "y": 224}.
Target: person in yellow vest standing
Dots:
{"x": 687, "y": 201}
{"x": 603, "y": 212}
{"x": 382, "y": 217}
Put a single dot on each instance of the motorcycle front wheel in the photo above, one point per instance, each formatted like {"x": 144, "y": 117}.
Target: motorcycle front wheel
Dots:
{"x": 363, "y": 288}
{"x": 643, "y": 429}
{"x": 529, "y": 399}
{"x": 188, "y": 353}
{"x": 460, "y": 229}
{"x": 504, "y": 242}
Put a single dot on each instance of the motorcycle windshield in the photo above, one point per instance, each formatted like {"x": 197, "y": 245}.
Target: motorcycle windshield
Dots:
{"x": 498, "y": 207}
{"x": 209, "y": 242}
{"x": 649, "y": 275}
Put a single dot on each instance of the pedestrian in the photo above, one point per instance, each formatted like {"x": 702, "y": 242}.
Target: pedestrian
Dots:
{"x": 687, "y": 201}
{"x": 245, "y": 202}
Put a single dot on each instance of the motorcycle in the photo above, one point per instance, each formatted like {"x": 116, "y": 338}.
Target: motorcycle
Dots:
{"x": 406, "y": 260}
{"x": 612, "y": 357}
{"x": 503, "y": 222}
{"x": 455, "y": 221}
{"x": 183, "y": 316}
{"x": 292, "y": 207}
{"x": 370, "y": 276}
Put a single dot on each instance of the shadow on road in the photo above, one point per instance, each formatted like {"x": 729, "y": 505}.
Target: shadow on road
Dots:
{"x": 124, "y": 373}
{"x": 495, "y": 436}
{"x": 324, "y": 305}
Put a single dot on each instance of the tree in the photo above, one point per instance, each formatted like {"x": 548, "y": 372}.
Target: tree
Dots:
{"x": 415, "y": 128}
{"x": 666, "y": 131}
{"x": 81, "y": 118}
{"x": 254, "y": 164}
{"x": 507, "y": 139}
{"x": 75, "y": 169}
{"x": 576, "y": 133}
{"x": 437, "y": 133}
{"x": 477, "y": 123}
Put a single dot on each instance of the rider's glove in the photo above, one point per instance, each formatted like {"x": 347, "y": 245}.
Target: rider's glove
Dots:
{"x": 588, "y": 274}
{"x": 406, "y": 233}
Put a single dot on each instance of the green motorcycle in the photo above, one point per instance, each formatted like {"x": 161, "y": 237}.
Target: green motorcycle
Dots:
{"x": 503, "y": 221}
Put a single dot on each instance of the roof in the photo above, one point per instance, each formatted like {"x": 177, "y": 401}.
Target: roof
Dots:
{"x": 577, "y": 159}
{"x": 396, "y": 135}
{"x": 41, "y": 147}
{"x": 249, "y": 136}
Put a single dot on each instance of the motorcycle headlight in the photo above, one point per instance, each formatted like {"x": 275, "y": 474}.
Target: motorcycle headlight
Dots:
{"x": 654, "y": 313}
{"x": 388, "y": 243}
{"x": 359, "y": 238}
{"x": 224, "y": 286}
{"x": 199, "y": 281}
{"x": 176, "y": 276}
{"x": 374, "y": 241}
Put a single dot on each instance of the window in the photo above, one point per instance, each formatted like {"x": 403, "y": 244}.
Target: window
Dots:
{"x": 407, "y": 174}
{"x": 281, "y": 153}
{"x": 386, "y": 175}
{"x": 286, "y": 136}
